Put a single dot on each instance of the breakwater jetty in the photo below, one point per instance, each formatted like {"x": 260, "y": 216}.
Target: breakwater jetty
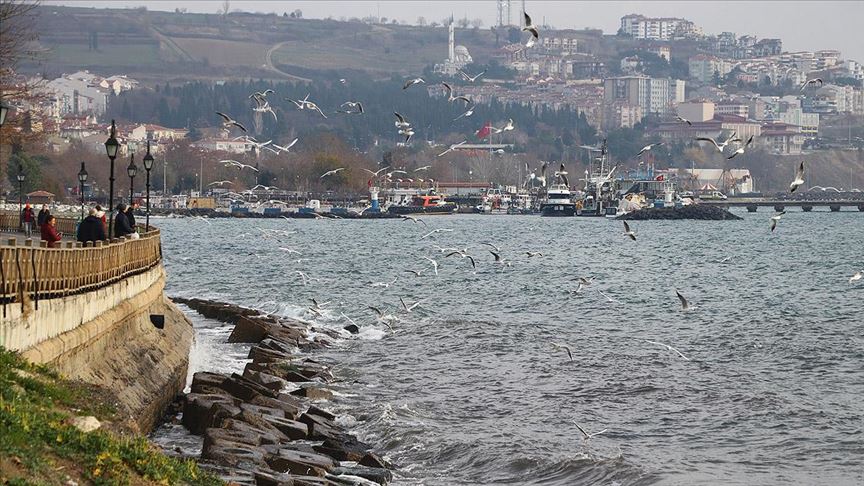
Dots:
{"x": 692, "y": 211}
{"x": 267, "y": 426}
{"x": 96, "y": 313}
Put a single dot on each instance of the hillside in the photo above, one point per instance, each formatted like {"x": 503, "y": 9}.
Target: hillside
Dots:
{"x": 160, "y": 46}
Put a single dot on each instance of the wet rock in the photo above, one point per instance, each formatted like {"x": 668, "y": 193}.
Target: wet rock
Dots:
{"x": 262, "y": 410}
{"x": 216, "y": 436}
{"x": 293, "y": 429}
{"x": 289, "y": 405}
{"x": 373, "y": 460}
{"x": 260, "y": 354}
{"x": 197, "y": 411}
{"x": 352, "y": 328}
{"x": 266, "y": 436}
{"x": 206, "y": 379}
{"x": 220, "y": 412}
{"x": 234, "y": 454}
{"x": 246, "y": 389}
{"x": 286, "y": 334}
{"x": 303, "y": 463}
{"x": 379, "y": 475}
{"x": 345, "y": 447}
{"x": 273, "y": 478}
{"x": 265, "y": 379}
{"x": 85, "y": 424}
{"x": 320, "y": 412}
{"x": 313, "y": 393}
{"x": 249, "y": 330}
{"x": 692, "y": 211}
{"x": 328, "y": 332}
{"x": 277, "y": 345}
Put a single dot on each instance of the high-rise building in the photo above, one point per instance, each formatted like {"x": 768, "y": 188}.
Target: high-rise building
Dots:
{"x": 660, "y": 28}
{"x": 652, "y": 95}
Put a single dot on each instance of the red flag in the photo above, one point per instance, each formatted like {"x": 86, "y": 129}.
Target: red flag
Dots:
{"x": 485, "y": 131}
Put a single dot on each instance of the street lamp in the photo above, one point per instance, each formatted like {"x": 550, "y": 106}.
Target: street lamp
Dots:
{"x": 20, "y": 195}
{"x": 82, "y": 178}
{"x": 131, "y": 170}
{"x": 111, "y": 147}
{"x": 148, "y": 165}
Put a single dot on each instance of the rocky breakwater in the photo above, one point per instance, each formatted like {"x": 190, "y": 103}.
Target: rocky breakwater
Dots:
{"x": 692, "y": 211}
{"x": 267, "y": 426}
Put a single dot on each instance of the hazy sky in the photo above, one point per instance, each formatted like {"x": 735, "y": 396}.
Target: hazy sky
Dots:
{"x": 803, "y": 25}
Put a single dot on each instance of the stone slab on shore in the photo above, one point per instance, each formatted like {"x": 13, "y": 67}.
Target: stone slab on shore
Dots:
{"x": 262, "y": 425}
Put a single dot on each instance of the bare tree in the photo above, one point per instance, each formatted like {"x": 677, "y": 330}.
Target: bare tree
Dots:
{"x": 421, "y": 21}
{"x": 226, "y": 6}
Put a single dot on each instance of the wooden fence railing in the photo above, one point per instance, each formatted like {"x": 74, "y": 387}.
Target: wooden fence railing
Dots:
{"x": 31, "y": 272}
{"x": 12, "y": 222}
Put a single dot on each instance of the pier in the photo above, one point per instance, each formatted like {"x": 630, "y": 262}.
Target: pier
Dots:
{"x": 853, "y": 200}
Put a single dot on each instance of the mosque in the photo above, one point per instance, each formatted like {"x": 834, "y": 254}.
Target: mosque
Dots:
{"x": 458, "y": 57}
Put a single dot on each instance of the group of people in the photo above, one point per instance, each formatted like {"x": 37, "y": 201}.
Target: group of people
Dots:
{"x": 92, "y": 228}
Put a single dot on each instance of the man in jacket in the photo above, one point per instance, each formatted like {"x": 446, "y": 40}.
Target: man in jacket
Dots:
{"x": 121, "y": 222}
{"x": 49, "y": 232}
{"x": 91, "y": 229}
{"x": 42, "y": 218}
{"x": 27, "y": 218}
{"x": 130, "y": 213}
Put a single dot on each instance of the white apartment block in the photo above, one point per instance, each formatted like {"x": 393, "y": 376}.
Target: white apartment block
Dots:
{"x": 662, "y": 28}
{"x": 702, "y": 67}
{"x": 652, "y": 95}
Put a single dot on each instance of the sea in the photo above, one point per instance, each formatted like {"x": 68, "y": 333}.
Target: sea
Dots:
{"x": 762, "y": 382}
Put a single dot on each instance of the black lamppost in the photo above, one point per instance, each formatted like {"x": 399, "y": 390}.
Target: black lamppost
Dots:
{"x": 82, "y": 178}
{"x": 131, "y": 170}
{"x": 148, "y": 165}
{"x": 111, "y": 147}
{"x": 20, "y": 195}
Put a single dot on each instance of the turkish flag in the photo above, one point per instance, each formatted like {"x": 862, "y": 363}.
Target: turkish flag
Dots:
{"x": 485, "y": 131}
{"x": 659, "y": 178}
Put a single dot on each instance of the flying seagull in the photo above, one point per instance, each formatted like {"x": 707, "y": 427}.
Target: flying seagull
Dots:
{"x": 586, "y": 435}
{"x": 219, "y": 183}
{"x": 532, "y": 254}
{"x": 436, "y": 231}
{"x": 408, "y": 308}
{"x": 401, "y": 121}
{"x": 799, "y": 178}
{"x": 434, "y": 263}
{"x": 467, "y": 113}
{"x": 648, "y": 147}
{"x": 530, "y": 27}
{"x": 452, "y": 98}
{"x": 351, "y": 108}
{"x": 813, "y": 82}
{"x": 683, "y": 120}
{"x": 416, "y": 273}
{"x": 628, "y": 231}
{"x": 684, "y": 304}
{"x": 670, "y": 348}
{"x": 238, "y": 165}
{"x": 228, "y": 122}
{"x": 386, "y": 285}
{"x": 280, "y": 149}
{"x": 855, "y": 278}
{"x": 741, "y": 149}
{"x": 559, "y": 347}
{"x": 775, "y": 219}
{"x": 412, "y": 82}
{"x": 720, "y": 146}
{"x": 377, "y": 172}
{"x": 471, "y": 79}
{"x": 425, "y": 167}
{"x": 453, "y": 147}
{"x": 331, "y": 172}
{"x": 413, "y": 219}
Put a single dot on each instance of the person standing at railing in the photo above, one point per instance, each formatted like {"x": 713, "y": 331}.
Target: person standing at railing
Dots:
{"x": 27, "y": 218}
{"x": 49, "y": 232}
{"x": 101, "y": 215}
{"x": 121, "y": 222}
{"x": 42, "y": 218}
{"x": 91, "y": 229}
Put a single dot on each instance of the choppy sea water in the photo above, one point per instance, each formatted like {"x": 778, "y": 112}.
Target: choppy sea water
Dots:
{"x": 468, "y": 389}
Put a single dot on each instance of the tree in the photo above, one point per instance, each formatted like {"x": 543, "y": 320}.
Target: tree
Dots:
{"x": 226, "y": 7}
{"x": 421, "y": 21}
{"x": 31, "y": 167}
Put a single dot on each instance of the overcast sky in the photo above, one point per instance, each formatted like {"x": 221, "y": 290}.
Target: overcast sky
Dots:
{"x": 803, "y": 25}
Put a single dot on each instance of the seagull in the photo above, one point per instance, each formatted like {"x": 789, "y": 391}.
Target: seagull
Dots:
{"x": 532, "y": 254}
{"x": 578, "y": 289}
{"x": 408, "y": 132}
{"x": 301, "y": 104}
{"x": 412, "y": 82}
{"x": 813, "y": 81}
{"x": 684, "y": 304}
{"x": 799, "y": 178}
{"x": 401, "y": 121}
{"x": 559, "y": 347}
{"x": 855, "y": 278}
{"x": 775, "y": 219}
{"x": 348, "y": 318}
{"x": 351, "y": 108}
{"x": 266, "y": 108}
{"x": 509, "y": 126}
{"x": 280, "y": 149}
{"x": 435, "y": 231}
{"x": 261, "y": 94}
{"x": 314, "y": 107}
{"x": 415, "y": 272}
{"x": 425, "y": 167}
{"x": 529, "y": 27}
{"x": 562, "y": 173}
{"x": 228, "y": 122}
{"x": 741, "y": 149}
{"x": 331, "y": 172}
{"x": 608, "y": 299}
{"x": 683, "y": 120}
{"x": 648, "y": 147}
{"x": 413, "y": 219}
{"x": 452, "y": 98}
{"x": 586, "y": 435}
{"x": 434, "y": 263}
{"x": 471, "y": 79}
{"x": 466, "y": 114}
{"x": 383, "y": 318}
{"x": 306, "y": 278}
{"x": 490, "y": 245}
{"x": 720, "y": 146}
{"x": 628, "y": 231}
{"x": 453, "y": 147}
{"x": 238, "y": 165}
{"x": 219, "y": 183}
{"x": 386, "y": 285}
{"x": 498, "y": 259}
{"x": 375, "y": 174}
{"x": 586, "y": 281}
{"x": 670, "y": 348}
{"x": 408, "y": 308}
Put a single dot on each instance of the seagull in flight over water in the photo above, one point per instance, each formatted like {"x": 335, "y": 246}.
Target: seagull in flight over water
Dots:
{"x": 331, "y": 172}
{"x": 775, "y": 219}
{"x": 684, "y": 304}
{"x": 229, "y": 122}
{"x": 559, "y": 347}
{"x": 586, "y": 435}
{"x": 855, "y": 278}
{"x": 670, "y": 348}
{"x": 412, "y": 82}
{"x": 628, "y": 232}
{"x": 799, "y": 178}
{"x": 530, "y": 27}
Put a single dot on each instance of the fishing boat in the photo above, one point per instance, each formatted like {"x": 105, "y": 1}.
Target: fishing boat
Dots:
{"x": 559, "y": 200}
{"x": 423, "y": 204}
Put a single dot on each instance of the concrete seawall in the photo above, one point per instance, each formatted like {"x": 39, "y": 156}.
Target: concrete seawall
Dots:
{"x": 106, "y": 337}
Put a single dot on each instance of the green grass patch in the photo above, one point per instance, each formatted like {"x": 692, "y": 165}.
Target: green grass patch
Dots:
{"x": 39, "y": 446}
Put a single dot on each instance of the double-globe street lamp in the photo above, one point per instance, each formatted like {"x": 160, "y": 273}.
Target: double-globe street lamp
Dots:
{"x": 111, "y": 147}
{"x": 131, "y": 170}
{"x": 148, "y": 165}
{"x": 82, "y": 178}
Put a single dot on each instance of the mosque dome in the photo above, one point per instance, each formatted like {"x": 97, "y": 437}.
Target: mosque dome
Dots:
{"x": 462, "y": 55}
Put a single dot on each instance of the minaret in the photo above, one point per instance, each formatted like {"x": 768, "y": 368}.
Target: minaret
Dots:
{"x": 452, "y": 44}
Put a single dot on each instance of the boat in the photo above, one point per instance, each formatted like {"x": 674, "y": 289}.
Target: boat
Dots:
{"x": 559, "y": 201}
{"x": 428, "y": 204}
